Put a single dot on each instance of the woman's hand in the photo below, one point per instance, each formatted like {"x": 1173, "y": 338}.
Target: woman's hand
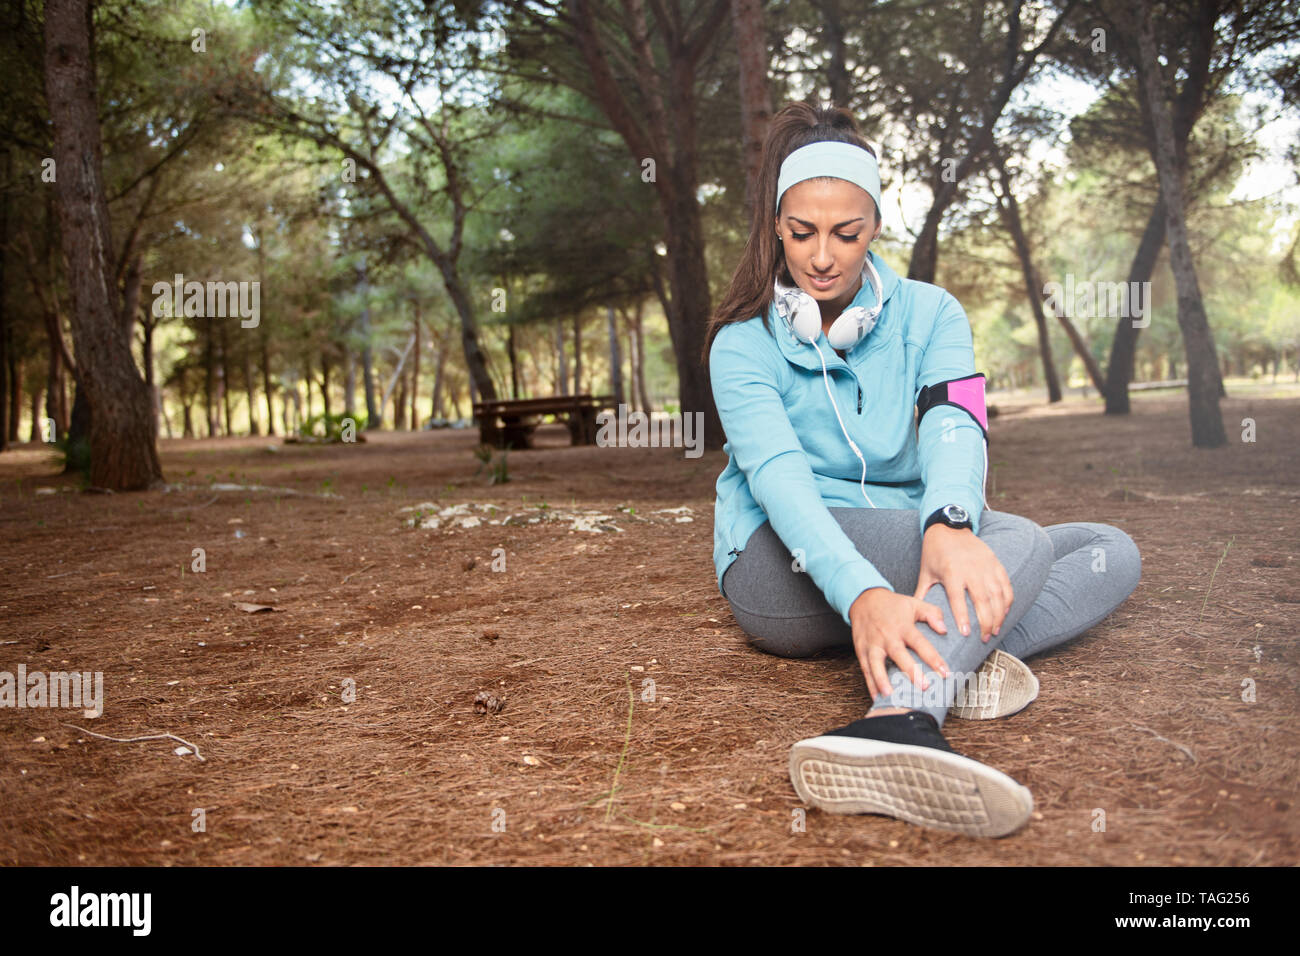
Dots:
{"x": 884, "y": 627}
{"x": 961, "y": 562}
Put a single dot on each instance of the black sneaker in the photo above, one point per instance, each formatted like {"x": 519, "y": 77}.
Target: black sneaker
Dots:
{"x": 901, "y": 766}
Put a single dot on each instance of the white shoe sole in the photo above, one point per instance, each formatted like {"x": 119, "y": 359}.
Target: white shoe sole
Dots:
{"x": 928, "y": 787}
{"x": 1008, "y": 687}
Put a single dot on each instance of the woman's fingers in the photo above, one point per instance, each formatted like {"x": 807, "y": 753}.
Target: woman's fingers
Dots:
{"x": 983, "y": 611}
{"x": 956, "y": 591}
{"x": 932, "y": 616}
{"x": 1004, "y": 604}
{"x": 865, "y": 663}
{"x": 925, "y": 650}
{"x": 907, "y": 664}
{"x": 878, "y": 670}
{"x": 923, "y": 584}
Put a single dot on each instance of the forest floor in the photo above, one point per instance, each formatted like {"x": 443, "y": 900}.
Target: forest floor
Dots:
{"x": 638, "y": 725}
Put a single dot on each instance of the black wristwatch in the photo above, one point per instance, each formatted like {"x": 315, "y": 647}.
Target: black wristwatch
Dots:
{"x": 954, "y": 516}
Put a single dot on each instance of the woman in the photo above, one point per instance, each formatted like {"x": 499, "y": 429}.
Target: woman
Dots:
{"x": 842, "y": 520}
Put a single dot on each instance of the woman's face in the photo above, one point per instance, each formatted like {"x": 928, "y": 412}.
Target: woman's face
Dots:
{"x": 826, "y": 227}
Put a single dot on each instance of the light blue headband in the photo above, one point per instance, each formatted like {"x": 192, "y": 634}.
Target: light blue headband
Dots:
{"x": 828, "y": 158}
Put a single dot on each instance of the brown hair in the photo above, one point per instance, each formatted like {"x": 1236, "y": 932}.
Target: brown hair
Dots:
{"x": 750, "y": 292}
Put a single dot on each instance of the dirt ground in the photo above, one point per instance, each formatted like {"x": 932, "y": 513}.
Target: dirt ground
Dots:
{"x": 341, "y": 727}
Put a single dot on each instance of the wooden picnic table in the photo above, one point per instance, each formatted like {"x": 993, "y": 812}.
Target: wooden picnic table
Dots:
{"x": 510, "y": 422}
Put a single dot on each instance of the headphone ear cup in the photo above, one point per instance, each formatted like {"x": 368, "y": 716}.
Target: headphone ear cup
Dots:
{"x": 850, "y": 328}
{"x": 807, "y": 318}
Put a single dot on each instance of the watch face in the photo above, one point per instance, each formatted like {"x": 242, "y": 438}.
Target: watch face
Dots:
{"x": 956, "y": 513}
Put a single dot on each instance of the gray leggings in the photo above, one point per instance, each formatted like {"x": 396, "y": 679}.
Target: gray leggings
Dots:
{"x": 1066, "y": 578}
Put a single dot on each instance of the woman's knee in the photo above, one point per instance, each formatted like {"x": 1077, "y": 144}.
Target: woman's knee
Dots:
{"x": 1022, "y": 546}
{"x": 1116, "y": 555}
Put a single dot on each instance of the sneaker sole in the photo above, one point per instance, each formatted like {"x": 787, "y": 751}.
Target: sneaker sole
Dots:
{"x": 1010, "y": 684}
{"x": 921, "y": 785}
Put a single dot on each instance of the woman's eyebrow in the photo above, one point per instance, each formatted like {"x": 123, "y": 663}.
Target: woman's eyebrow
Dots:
{"x": 838, "y": 225}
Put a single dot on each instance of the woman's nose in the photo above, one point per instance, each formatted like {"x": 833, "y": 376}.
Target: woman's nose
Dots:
{"x": 822, "y": 258}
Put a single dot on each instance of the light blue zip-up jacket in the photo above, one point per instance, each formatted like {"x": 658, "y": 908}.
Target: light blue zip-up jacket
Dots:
{"x": 789, "y": 461}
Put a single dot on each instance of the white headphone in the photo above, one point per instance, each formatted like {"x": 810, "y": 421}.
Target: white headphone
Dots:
{"x": 804, "y": 316}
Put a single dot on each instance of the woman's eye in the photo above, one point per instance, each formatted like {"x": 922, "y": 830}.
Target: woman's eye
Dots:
{"x": 804, "y": 235}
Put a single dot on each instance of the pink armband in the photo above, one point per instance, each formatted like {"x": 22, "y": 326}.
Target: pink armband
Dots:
{"x": 966, "y": 393}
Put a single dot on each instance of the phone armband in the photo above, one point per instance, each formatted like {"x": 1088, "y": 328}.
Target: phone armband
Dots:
{"x": 966, "y": 393}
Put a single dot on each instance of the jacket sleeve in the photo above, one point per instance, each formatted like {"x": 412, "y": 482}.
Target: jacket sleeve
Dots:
{"x": 950, "y": 442}
{"x": 745, "y": 378}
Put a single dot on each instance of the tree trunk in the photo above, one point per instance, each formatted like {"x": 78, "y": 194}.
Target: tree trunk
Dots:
{"x": 755, "y": 100}
{"x": 262, "y": 336}
{"x": 513, "y": 355}
{"x": 80, "y": 420}
{"x": 374, "y": 412}
{"x": 577, "y": 354}
{"x": 349, "y": 383}
{"x": 638, "y": 342}
{"x": 325, "y": 384}
{"x": 223, "y": 380}
{"x": 56, "y": 399}
{"x": 15, "y": 394}
{"x": 475, "y": 360}
{"x": 435, "y": 400}
{"x": 690, "y": 309}
{"x": 123, "y": 450}
{"x": 833, "y": 34}
{"x": 667, "y": 131}
{"x": 266, "y": 385}
{"x": 160, "y": 411}
{"x": 561, "y": 365}
{"x": 415, "y": 371}
{"x": 209, "y": 377}
{"x": 146, "y": 349}
{"x": 1198, "y": 341}
{"x": 37, "y": 434}
{"x": 1010, "y": 209}
{"x": 5, "y": 354}
{"x": 131, "y": 298}
{"x": 253, "y": 427}
{"x": 306, "y": 384}
{"x": 615, "y": 357}
{"x": 1123, "y": 349}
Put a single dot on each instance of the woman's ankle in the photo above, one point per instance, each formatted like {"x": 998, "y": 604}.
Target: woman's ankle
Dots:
{"x": 887, "y": 711}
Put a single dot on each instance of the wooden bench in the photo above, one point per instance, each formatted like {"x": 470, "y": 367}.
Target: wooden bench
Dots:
{"x": 510, "y": 422}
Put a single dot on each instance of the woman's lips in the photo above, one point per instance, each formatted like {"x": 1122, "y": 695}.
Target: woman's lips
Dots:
{"x": 823, "y": 283}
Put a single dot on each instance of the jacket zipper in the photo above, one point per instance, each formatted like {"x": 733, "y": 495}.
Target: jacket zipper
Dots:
{"x": 859, "y": 399}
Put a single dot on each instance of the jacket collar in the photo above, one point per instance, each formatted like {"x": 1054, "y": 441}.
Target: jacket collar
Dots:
{"x": 803, "y": 354}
